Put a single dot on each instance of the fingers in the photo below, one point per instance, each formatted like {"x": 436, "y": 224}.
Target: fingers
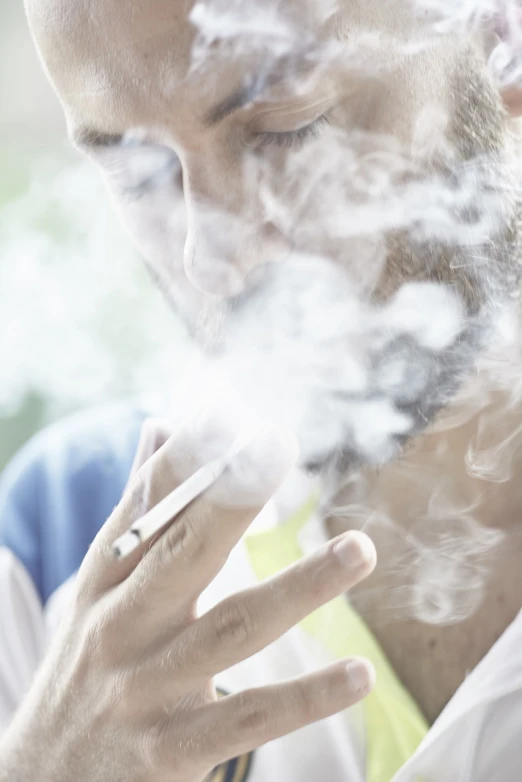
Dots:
{"x": 148, "y": 484}
{"x": 240, "y": 723}
{"x": 252, "y": 718}
{"x": 249, "y": 621}
{"x": 193, "y": 549}
{"x": 154, "y": 434}
{"x": 191, "y": 552}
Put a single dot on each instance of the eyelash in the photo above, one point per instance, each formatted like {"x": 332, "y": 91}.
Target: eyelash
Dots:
{"x": 293, "y": 138}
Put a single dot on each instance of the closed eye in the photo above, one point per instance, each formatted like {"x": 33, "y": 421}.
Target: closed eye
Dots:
{"x": 292, "y": 138}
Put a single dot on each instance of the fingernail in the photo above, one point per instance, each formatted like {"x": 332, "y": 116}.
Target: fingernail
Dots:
{"x": 355, "y": 549}
{"x": 361, "y": 675}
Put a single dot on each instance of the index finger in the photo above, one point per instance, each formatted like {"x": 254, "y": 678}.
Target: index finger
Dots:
{"x": 154, "y": 434}
{"x": 191, "y": 552}
{"x": 248, "y": 483}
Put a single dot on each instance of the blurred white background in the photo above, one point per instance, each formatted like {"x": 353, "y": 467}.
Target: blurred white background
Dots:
{"x": 80, "y": 321}
{"x": 31, "y": 117}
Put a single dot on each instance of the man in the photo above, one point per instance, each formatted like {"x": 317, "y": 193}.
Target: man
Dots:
{"x": 126, "y": 691}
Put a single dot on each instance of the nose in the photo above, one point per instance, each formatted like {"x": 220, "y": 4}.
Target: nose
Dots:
{"x": 212, "y": 252}
{"x": 227, "y": 236}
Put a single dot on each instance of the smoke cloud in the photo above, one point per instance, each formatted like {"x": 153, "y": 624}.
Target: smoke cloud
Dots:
{"x": 80, "y": 319}
{"x": 394, "y": 309}
{"x": 357, "y": 368}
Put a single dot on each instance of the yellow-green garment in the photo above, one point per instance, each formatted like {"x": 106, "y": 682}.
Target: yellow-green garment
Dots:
{"x": 394, "y": 725}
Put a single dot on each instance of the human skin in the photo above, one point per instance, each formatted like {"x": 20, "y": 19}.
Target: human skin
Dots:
{"x": 202, "y": 215}
{"x": 132, "y": 666}
{"x": 109, "y": 61}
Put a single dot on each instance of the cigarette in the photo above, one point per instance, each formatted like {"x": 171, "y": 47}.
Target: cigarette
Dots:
{"x": 165, "y": 512}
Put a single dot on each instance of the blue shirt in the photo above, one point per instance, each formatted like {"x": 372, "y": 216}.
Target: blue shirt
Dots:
{"x": 62, "y": 486}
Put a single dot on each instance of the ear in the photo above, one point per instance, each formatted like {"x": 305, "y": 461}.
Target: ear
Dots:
{"x": 502, "y": 40}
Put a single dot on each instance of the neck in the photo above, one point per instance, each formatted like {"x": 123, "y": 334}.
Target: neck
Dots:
{"x": 445, "y": 519}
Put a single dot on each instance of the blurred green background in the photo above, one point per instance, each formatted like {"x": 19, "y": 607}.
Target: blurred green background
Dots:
{"x": 80, "y": 321}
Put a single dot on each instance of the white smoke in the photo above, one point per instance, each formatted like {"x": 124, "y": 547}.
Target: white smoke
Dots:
{"x": 301, "y": 354}
{"x": 238, "y": 26}
{"x": 81, "y": 321}
{"x": 435, "y": 571}
{"x": 311, "y": 348}
{"x": 498, "y": 22}
{"x": 310, "y": 345}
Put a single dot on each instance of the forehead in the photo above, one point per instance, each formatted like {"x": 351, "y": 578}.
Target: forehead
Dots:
{"x": 118, "y": 61}
{"x": 96, "y": 51}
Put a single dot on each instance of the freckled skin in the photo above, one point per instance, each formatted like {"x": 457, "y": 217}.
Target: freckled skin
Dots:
{"x": 123, "y": 65}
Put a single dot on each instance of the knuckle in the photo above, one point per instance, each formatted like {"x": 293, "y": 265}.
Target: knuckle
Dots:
{"x": 304, "y": 701}
{"x": 165, "y": 748}
{"x": 326, "y": 573}
{"x": 253, "y": 715}
{"x": 134, "y": 502}
{"x": 138, "y": 496}
{"x": 99, "y": 637}
{"x": 175, "y": 540}
{"x": 154, "y": 745}
{"x": 234, "y": 623}
{"x": 183, "y": 538}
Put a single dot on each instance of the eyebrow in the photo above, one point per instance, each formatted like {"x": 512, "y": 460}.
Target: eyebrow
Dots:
{"x": 243, "y": 96}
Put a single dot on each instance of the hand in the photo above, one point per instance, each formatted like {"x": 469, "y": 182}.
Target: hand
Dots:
{"x": 126, "y": 692}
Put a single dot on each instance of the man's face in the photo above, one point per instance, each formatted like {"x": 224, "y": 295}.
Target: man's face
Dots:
{"x": 240, "y": 139}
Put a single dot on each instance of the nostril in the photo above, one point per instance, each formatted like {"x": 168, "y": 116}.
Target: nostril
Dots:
{"x": 217, "y": 278}
{"x": 212, "y": 275}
